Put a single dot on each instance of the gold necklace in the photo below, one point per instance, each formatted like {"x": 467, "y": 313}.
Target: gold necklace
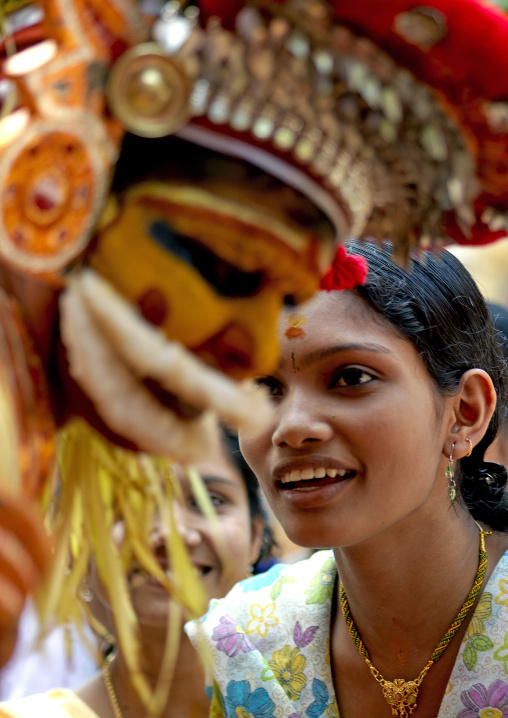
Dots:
{"x": 110, "y": 689}
{"x": 401, "y": 695}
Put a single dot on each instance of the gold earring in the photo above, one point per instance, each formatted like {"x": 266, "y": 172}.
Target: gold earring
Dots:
{"x": 450, "y": 474}
{"x": 470, "y": 446}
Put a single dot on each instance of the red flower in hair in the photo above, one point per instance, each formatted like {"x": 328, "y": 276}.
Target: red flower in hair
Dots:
{"x": 346, "y": 271}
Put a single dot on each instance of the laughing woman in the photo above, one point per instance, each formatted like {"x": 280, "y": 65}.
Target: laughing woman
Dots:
{"x": 386, "y": 400}
{"x": 246, "y": 539}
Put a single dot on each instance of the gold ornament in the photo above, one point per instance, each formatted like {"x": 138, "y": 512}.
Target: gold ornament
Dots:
{"x": 110, "y": 689}
{"x": 149, "y": 92}
{"x": 401, "y": 695}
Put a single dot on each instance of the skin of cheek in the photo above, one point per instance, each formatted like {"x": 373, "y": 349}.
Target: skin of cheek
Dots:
{"x": 387, "y": 492}
{"x": 236, "y": 556}
{"x": 391, "y": 436}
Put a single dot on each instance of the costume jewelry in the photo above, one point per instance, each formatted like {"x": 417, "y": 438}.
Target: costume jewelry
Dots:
{"x": 449, "y": 473}
{"x": 401, "y": 695}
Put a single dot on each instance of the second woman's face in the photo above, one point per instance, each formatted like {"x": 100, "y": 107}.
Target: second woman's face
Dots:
{"x": 219, "y": 564}
{"x": 358, "y": 438}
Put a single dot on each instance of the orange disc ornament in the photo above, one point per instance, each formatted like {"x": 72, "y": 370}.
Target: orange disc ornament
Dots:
{"x": 53, "y": 185}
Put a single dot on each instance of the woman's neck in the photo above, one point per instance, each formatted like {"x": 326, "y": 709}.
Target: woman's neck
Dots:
{"x": 405, "y": 588}
{"x": 186, "y": 697}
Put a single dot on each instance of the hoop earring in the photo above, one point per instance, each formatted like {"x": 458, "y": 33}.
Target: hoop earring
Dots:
{"x": 470, "y": 446}
{"x": 449, "y": 473}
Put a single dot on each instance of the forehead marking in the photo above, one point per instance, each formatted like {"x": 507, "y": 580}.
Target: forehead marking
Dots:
{"x": 295, "y": 321}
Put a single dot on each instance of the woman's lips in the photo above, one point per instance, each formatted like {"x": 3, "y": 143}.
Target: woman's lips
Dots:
{"x": 307, "y": 475}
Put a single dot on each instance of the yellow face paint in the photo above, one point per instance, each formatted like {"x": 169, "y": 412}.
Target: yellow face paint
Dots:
{"x": 211, "y": 275}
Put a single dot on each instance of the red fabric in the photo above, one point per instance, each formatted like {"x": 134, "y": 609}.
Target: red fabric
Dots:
{"x": 346, "y": 271}
{"x": 470, "y": 58}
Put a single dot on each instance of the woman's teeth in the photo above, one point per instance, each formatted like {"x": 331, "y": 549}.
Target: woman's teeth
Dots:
{"x": 308, "y": 474}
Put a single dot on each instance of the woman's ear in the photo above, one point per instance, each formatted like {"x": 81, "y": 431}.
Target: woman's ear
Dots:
{"x": 473, "y": 408}
{"x": 258, "y": 526}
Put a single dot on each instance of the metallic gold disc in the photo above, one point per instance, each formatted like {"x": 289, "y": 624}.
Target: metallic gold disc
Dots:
{"x": 149, "y": 92}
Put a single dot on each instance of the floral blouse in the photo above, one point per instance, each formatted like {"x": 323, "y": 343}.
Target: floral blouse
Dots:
{"x": 266, "y": 646}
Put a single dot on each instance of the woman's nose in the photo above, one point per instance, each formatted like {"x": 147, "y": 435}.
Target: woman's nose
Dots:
{"x": 301, "y": 422}
{"x": 185, "y": 523}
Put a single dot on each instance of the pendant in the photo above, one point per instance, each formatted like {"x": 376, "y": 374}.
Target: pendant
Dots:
{"x": 401, "y": 696}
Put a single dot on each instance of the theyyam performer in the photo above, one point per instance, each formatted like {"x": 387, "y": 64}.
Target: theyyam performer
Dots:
{"x": 168, "y": 180}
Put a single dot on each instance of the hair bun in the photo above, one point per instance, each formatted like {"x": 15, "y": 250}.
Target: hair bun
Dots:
{"x": 492, "y": 474}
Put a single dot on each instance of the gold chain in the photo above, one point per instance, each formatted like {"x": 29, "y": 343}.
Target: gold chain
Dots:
{"x": 110, "y": 689}
{"x": 401, "y": 695}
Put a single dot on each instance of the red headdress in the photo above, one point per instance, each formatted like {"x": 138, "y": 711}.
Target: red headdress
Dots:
{"x": 394, "y": 118}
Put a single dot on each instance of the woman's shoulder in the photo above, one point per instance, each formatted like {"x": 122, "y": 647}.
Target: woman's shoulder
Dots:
{"x": 269, "y": 603}
{"x": 56, "y": 703}
{"x": 296, "y": 582}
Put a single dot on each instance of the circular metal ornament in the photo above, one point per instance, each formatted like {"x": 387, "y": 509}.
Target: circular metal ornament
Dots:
{"x": 52, "y": 186}
{"x": 149, "y": 92}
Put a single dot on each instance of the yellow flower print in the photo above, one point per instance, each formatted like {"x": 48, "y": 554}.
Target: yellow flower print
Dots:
{"x": 482, "y": 613}
{"x": 332, "y": 711}
{"x": 262, "y": 619}
{"x": 287, "y": 666}
{"x": 502, "y": 597}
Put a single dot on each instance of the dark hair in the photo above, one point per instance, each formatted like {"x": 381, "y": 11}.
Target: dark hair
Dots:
{"x": 437, "y": 306}
{"x": 500, "y": 319}
{"x": 256, "y": 509}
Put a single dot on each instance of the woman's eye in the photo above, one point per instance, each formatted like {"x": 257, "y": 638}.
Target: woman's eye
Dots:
{"x": 216, "y": 500}
{"x": 271, "y": 385}
{"x": 351, "y": 376}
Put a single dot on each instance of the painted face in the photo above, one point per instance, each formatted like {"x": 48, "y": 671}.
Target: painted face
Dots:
{"x": 221, "y": 566}
{"x": 210, "y": 271}
{"x": 193, "y": 257}
{"x": 356, "y": 444}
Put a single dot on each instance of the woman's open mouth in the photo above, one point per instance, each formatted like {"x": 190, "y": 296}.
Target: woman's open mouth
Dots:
{"x": 308, "y": 478}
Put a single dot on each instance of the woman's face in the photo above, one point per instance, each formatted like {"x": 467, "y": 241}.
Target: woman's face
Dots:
{"x": 220, "y": 567}
{"x": 357, "y": 442}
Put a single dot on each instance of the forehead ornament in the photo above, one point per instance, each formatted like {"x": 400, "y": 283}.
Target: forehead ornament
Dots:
{"x": 295, "y": 321}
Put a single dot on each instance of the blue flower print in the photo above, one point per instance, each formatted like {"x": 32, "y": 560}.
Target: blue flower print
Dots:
{"x": 318, "y": 705}
{"x": 262, "y": 579}
{"x": 241, "y": 703}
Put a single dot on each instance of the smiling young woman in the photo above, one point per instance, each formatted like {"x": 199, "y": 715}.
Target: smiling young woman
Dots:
{"x": 222, "y": 553}
{"x": 385, "y": 404}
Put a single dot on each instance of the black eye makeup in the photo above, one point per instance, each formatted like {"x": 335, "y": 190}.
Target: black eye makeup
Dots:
{"x": 225, "y": 278}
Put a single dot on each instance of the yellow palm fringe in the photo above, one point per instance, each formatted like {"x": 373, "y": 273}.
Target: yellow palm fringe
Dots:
{"x": 99, "y": 484}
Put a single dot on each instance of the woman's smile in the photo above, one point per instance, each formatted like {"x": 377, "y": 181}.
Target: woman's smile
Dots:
{"x": 311, "y": 481}
{"x": 352, "y": 399}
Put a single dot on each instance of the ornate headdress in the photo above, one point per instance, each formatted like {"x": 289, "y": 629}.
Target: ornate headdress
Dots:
{"x": 386, "y": 120}
{"x": 318, "y": 93}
